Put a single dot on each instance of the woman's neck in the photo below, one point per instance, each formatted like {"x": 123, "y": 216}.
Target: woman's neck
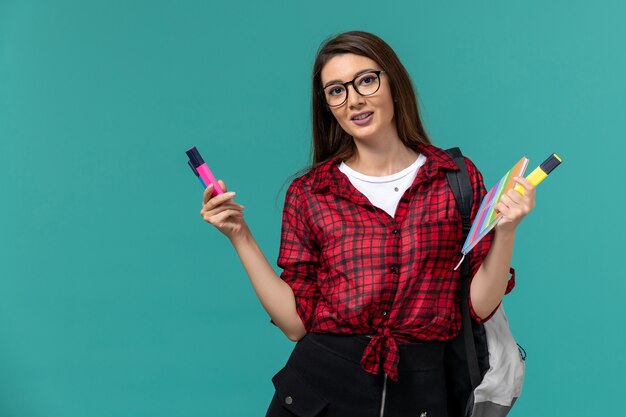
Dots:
{"x": 381, "y": 158}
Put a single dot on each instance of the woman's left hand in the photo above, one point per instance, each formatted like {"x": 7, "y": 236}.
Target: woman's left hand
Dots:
{"x": 514, "y": 206}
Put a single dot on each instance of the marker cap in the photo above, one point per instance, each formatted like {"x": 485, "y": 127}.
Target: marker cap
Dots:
{"x": 549, "y": 164}
{"x": 194, "y": 157}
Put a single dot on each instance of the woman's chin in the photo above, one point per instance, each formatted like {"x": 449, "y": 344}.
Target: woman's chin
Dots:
{"x": 365, "y": 133}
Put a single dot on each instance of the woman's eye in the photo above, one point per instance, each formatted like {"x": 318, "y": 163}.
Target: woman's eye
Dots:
{"x": 368, "y": 79}
{"x": 335, "y": 91}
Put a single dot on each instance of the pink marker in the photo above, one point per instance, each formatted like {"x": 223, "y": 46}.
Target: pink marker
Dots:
{"x": 202, "y": 171}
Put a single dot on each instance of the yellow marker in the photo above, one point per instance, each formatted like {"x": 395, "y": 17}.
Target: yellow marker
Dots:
{"x": 541, "y": 172}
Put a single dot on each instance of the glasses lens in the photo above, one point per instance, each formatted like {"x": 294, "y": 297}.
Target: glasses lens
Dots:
{"x": 335, "y": 94}
{"x": 367, "y": 84}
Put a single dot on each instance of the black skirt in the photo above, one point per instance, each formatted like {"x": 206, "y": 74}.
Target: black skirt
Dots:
{"x": 323, "y": 377}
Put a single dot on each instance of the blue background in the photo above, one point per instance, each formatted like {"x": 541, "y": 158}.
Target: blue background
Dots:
{"x": 116, "y": 299}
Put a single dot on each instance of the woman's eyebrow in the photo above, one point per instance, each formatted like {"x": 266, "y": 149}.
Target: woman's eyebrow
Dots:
{"x": 355, "y": 75}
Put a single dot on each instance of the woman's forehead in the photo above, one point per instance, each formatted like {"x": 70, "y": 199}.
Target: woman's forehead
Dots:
{"x": 345, "y": 67}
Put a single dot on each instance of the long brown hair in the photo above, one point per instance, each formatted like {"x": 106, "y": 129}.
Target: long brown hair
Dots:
{"x": 329, "y": 139}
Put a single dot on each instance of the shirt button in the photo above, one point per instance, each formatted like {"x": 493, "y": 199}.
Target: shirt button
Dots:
{"x": 393, "y": 270}
{"x": 288, "y": 400}
{"x": 395, "y": 231}
{"x": 384, "y": 313}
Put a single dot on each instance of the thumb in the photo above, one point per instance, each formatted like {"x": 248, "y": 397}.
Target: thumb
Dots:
{"x": 222, "y": 185}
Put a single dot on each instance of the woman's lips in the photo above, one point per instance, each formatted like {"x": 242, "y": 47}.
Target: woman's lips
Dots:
{"x": 363, "y": 121}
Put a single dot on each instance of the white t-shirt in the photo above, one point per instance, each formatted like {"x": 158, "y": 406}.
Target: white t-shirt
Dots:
{"x": 384, "y": 192}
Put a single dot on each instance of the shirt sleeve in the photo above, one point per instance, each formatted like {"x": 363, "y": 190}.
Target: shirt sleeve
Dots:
{"x": 480, "y": 251}
{"x": 299, "y": 255}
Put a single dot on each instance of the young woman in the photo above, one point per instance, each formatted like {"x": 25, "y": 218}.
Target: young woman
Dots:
{"x": 370, "y": 237}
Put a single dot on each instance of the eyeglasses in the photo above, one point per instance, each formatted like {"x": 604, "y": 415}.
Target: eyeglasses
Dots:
{"x": 365, "y": 84}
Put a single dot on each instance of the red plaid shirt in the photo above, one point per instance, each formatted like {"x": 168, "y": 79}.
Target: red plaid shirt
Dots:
{"x": 355, "y": 269}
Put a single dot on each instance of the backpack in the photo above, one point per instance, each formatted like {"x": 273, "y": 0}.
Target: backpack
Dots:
{"x": 484, "y": 367}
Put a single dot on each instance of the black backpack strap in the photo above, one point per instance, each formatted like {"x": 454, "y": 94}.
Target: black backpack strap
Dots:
{"x": 462, "y": 189}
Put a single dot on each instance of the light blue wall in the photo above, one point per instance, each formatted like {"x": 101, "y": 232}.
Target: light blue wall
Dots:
{"x": 117, "y": 300}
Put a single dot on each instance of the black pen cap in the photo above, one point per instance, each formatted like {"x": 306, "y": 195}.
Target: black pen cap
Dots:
{"x": 549, "y": 164}
{"x": 194, "y": 157}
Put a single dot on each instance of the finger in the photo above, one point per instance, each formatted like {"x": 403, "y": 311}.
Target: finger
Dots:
{"x": 222, "y": 207}
{"x": 516, "y": 197}
{"x": 526, "y": 202}
{"x": 222, "y": 185}
{"x": 501, "y": 208}
{"x": 507, "y": 201}
{"x": 208, "y": 191}
{"x": 508, "y": 213}
{"x": 220, "y": 219}
{"x": 219, "y": 199}
{"x": 228, "y": 205}
{"x": 210, "y": 206}
{"x": 528, "y": 187}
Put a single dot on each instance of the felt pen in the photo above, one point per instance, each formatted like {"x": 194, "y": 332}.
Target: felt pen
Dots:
{"x": 202, "y": 171}
{"x": 541, "y": 172}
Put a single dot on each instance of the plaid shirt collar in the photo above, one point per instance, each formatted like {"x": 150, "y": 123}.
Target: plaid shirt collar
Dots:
{"x": 328, "y": 175}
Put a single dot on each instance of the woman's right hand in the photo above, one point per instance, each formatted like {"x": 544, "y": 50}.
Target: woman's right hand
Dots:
{"x": 222, "y": 212}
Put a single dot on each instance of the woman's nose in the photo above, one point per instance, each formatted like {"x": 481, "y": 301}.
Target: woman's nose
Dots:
{"x": 354, "y": 98}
